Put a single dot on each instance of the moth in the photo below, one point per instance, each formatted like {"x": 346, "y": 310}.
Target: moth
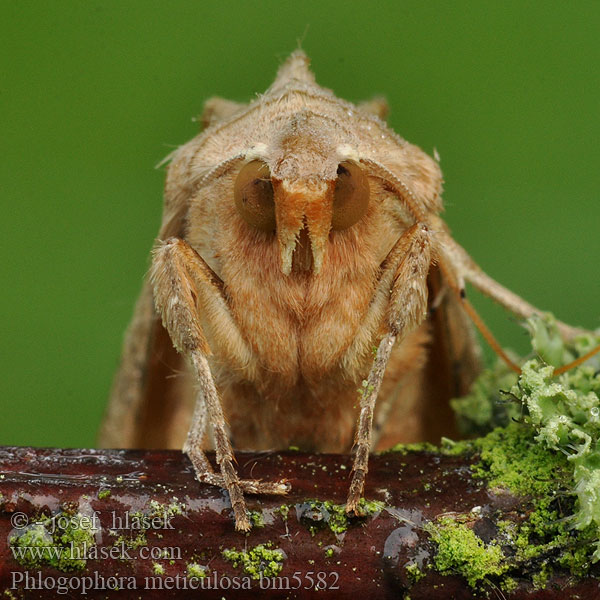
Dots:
{"x": 302, "y": 271}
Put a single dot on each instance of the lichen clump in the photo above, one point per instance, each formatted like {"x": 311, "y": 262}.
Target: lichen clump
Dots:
{"x": 260, "y": 561}
{"x": 561, "y": 413}
{"x": 62, "y": 541}
{"x": 547, "y": 450}
{"x": 565, "y": 413}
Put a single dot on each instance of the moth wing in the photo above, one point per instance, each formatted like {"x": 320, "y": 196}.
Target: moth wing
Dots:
{"x": 454, "y": 360}
{"x": 152, "y": 397}
{"x": 151, "y": 400}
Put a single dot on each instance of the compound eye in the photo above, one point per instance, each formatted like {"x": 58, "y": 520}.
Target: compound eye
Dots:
{"x": 253, "y": 195}
{"x": 351, "y": 196}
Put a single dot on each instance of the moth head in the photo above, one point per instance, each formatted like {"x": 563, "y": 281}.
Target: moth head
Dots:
{"x": 301, "y": 211}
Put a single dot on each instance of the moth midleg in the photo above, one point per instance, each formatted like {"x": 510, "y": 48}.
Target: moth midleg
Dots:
{"x": 177, "y": 275}
{"x": 466, "y": 269}
{"x": 457, "y": 285}
{"x": 458, "y": 267}
{"x": 409, "y": 261}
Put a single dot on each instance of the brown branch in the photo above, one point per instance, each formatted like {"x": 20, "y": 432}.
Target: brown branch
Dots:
{"x": 120, "y": 491}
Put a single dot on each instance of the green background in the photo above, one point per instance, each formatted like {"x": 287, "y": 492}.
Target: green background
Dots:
{"x": 94, "y": 94}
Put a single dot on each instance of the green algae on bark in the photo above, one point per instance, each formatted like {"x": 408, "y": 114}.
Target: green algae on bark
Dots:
{"x": 196, "y": 570}
{"x": 319, "y": 513}
{"x": 260, "y": 561}
{"x": 256, "y": 518}
{"x": 63, "y": 541}
{"x": 166, "y": 511}
{"x": 103, "y": 494}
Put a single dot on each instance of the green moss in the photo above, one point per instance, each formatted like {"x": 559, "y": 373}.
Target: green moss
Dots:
{"x": 540, "y": 579}
{"x": 365, "y": 389}
{"x": 369, "y": 508}
{"x": 260, "y": 561}
{"x": 510, "y": 458}
{"x": 103, "y": 494}
{"x": 562, "y": 413}
{"x": 62, "y": 541}
{"x": 509, "y": 584}
{"x": 144, "y": 520}
{"x": 38, "y": 544}
{"x": 576, "y": 557}
{"x": 460, "y": 551}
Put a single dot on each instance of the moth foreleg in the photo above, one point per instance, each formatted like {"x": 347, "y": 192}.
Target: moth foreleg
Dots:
{"x": 409, "y": 260}
{"x": 178, "y": 276}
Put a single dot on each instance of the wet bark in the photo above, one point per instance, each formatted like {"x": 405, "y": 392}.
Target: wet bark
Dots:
{"x": 160, "y": 534}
